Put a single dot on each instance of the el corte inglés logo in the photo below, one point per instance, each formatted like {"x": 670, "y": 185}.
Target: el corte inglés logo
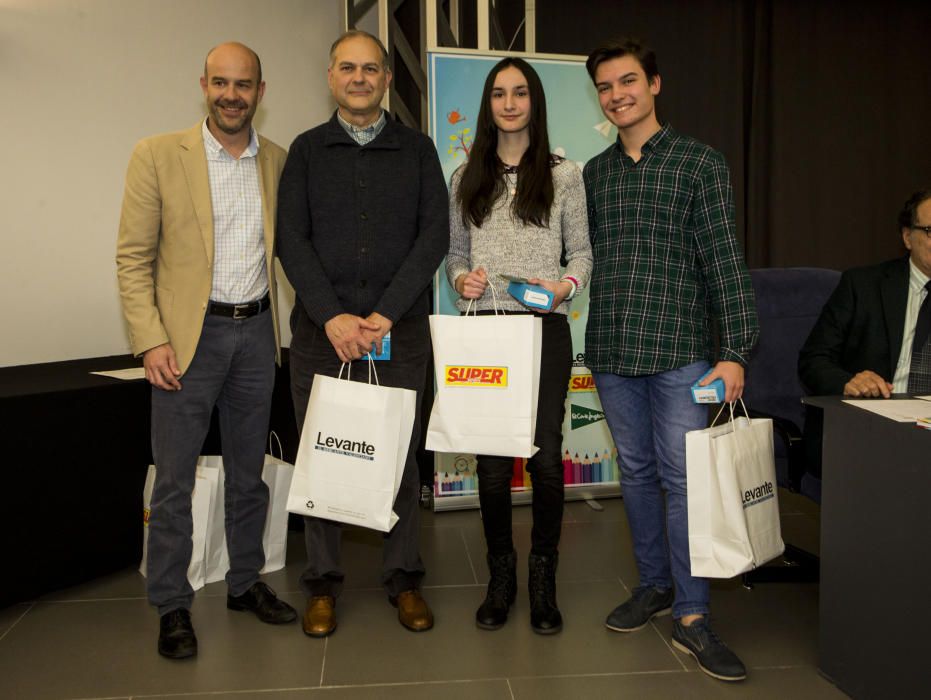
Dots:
{"x": 580, "y": 416}
{"x": 472, "y": 376}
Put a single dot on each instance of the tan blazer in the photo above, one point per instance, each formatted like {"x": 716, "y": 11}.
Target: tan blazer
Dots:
{"x": 164, "y": 255}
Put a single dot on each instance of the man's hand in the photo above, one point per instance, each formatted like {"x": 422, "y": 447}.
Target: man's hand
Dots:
{"x": 384, "y": 325}
{"x": 559, "y": 289}
{"x": 472, "y": 285}
{"x": 346, "y": 334}
{"x": 868, "y": 384}
{"x": 732, "y": 374}
{"x": 161, "y": 367}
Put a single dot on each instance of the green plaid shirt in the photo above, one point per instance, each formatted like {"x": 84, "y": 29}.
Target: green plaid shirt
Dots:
{"x": 666, "y": 260}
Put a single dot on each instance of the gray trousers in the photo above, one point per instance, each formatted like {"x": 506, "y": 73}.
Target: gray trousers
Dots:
{"x": 312, "y": 353}
{"x": 234, "y": 370}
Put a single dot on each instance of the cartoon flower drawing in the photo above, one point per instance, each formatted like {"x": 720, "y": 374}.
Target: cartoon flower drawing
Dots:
{"x": 461, "y": 140}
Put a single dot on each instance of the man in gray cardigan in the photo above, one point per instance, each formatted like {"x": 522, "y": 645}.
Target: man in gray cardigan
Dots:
{"x": 363, "y": 225}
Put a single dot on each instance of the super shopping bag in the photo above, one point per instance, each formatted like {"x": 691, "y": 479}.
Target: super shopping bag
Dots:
{"x": 487, "y": 381}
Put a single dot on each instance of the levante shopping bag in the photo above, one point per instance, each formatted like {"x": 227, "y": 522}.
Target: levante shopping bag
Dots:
{"x": 733, "y": 503}
{"x": 352, "y": 453}
{"x": 488, "y": 380}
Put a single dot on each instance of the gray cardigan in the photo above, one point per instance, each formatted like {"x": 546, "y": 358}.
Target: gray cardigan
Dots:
{"x": 362, "y": 228}
{"x": 505, "y": 245}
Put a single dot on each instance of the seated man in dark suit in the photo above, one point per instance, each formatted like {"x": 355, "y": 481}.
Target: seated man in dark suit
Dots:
{"x": 872, "y": 337}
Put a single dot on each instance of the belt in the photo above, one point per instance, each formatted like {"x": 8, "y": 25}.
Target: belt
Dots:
{"x": 239, "y": 311}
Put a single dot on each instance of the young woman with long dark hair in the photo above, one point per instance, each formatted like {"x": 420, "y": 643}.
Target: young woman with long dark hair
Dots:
{"x": 515, "y": 209}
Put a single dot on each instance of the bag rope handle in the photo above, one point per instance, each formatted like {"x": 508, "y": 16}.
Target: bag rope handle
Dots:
{"x": 273, "y": 434}
{"x": 731, "y": 406}
{"x": 348, "y": 367}
{"x": 494, "y": 301}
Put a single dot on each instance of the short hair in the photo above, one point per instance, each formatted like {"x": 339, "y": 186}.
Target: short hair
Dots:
{"x": 353, "y": 33}
{"x": 627, "y": 46}
{"x": 258, "y": 61}
{"x": 907, "y": 215}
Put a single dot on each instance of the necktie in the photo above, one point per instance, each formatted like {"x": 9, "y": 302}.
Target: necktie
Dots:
{"x": 919, "y": 371}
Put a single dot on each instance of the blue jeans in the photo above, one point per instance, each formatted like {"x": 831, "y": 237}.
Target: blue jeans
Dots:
{"x": 648, "y": 417}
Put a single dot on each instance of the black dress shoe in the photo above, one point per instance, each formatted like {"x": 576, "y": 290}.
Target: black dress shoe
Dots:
{"x": 176, "y": 638}
{"x": 263, "y": 601}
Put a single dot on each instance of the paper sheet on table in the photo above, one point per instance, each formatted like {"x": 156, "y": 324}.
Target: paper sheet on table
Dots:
{"x": 902, "y": 410}
{"x": 126, "y": 374}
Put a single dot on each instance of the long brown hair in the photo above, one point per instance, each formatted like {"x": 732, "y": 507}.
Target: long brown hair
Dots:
{"x": 482, "y": 181}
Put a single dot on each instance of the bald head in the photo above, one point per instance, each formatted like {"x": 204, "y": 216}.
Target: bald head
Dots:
{"x": 233, "y": 50}
{"x": 233, "y": 87}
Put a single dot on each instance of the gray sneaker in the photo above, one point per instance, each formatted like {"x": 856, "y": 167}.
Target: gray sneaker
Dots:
{"x": 712, "y": 655}
{"x": 645, "y": 603}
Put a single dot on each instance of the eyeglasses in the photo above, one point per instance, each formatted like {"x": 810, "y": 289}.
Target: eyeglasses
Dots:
{"x": 926, "y": 229}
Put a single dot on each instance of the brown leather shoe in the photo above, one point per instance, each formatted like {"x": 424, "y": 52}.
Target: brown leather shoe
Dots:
{"x": 320, "y": 616}
{"x": 413, "y": 611}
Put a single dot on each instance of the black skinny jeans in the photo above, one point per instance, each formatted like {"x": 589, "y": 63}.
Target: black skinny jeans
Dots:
{"x": 545, "y": 467}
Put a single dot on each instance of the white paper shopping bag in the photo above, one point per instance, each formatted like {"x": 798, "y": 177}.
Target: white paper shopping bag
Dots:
{"x": 276, "y": 474}
{"x": 733, "y": 503}
{"x": 488, "y": 381}
{"x": 216, "y": 558}
{"x": 352, "y": 453}
{"x": 201, "y": 501}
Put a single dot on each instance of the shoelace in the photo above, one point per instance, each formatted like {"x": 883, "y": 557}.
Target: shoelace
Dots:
{"x": 706, "y": 635}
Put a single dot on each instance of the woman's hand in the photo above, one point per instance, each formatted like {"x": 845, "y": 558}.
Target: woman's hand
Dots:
{"x": 560, "y": 290}
{"x": 472, "y": 285}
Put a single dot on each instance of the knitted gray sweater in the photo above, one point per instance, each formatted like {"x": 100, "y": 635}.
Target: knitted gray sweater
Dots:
{"x": 504, "y": 245}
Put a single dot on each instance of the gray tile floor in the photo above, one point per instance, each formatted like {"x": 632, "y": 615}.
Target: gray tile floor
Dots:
{"x": 98, "y": 640}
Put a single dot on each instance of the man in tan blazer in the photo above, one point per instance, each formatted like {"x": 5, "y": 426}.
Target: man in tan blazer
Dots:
{"x": 195, "y": 266}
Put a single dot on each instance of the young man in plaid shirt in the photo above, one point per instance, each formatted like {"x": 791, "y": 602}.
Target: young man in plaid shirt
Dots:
{"x": 666, "y": 262}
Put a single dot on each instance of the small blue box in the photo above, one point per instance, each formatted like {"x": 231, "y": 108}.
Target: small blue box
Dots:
{"x": 532, "y": 295}
{"x": 713, "y": 393}
{"x": 385, "y": 349}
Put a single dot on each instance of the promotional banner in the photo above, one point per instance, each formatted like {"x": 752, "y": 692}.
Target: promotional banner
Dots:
{"x": 578, "y": 131}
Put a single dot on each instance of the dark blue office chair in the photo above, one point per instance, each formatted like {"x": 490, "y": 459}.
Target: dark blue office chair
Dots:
{"x": 789, "y": 301}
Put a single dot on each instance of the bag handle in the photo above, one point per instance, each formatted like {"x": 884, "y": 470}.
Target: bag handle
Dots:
{"x": 348, "y": 367}
{"x": 731, "y": 406}
{"x": 273, "y": 434}
{"x": 494, "y": 301}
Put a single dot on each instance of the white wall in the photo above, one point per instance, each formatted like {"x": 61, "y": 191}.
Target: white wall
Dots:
{"x": 82, "y": 81}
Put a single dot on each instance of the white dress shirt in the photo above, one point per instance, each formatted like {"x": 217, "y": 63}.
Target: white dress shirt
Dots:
{"x": 916, "y": 295}
{"x": 239, "y": 273}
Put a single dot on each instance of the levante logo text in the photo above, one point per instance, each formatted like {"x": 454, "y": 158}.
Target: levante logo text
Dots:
{"x": 345, "y": 446}
{"x": 761, "y": 493}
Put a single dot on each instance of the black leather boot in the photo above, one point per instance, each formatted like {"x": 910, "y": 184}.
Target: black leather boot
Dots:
{"x": 544, "y": 615}
{"x": 502, "y": 590}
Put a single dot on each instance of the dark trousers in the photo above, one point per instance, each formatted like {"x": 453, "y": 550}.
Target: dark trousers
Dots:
{"x": 312, "y": 353}
{"x": 545, "y": 467}
{"x": 234, "y": 370}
